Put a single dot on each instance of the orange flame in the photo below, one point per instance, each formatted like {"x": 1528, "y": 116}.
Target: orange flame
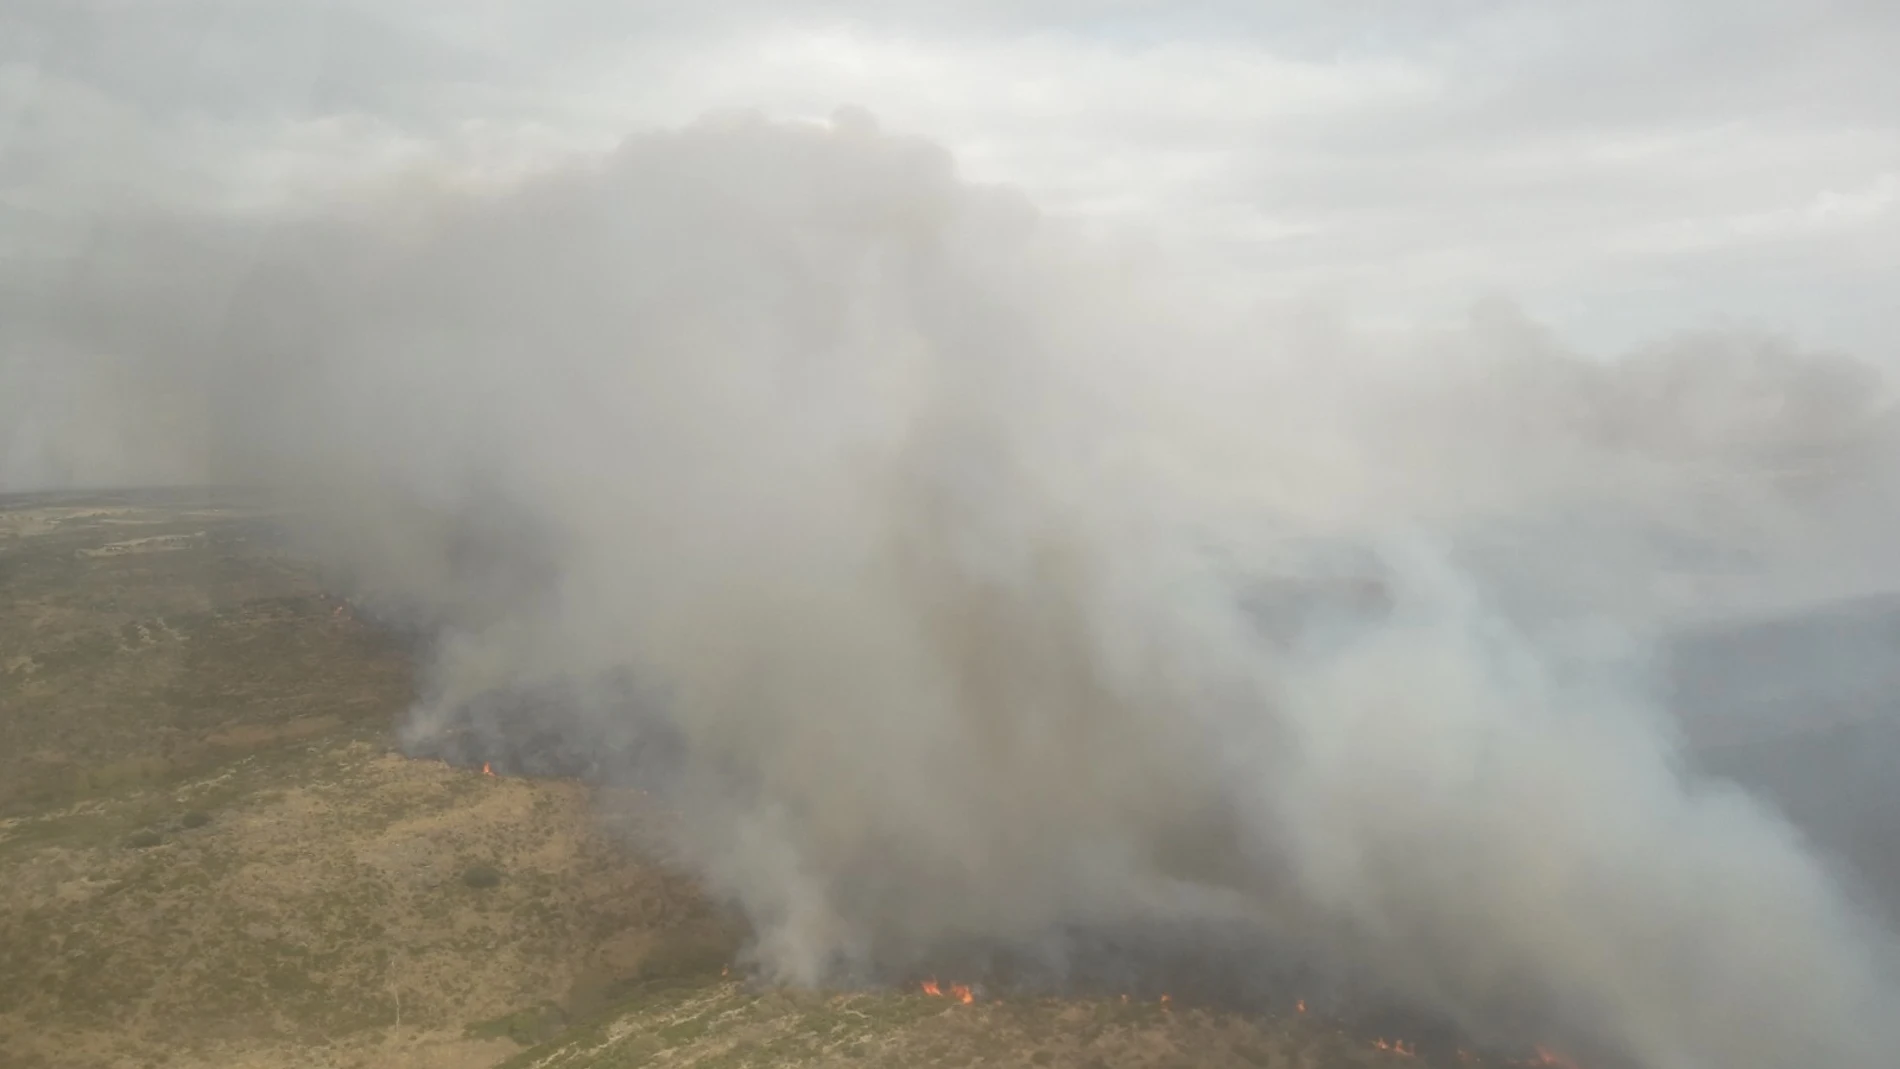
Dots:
{"x": 1300, "y": 1005}
{"x": 487, "y": 771}
{"x": 1164, "y": 1002}
{"x": 1396, "y": 1046}
{"x": 960, "y": 992}
{"x": 1555, "y": 1061}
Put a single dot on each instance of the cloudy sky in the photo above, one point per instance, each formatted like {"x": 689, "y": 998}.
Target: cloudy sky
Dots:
{"x": 1621, "y": 169}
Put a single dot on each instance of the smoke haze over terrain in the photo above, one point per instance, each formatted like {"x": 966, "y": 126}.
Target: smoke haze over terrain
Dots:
{"x": 941, "y": 550}
{"x": 972, "y": 573}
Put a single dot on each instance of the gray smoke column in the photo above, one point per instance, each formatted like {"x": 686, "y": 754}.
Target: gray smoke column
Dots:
{"x": 980, "y": 585}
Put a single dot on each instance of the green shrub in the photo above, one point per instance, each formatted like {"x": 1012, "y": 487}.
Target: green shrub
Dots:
{"x": 481, "y": 877}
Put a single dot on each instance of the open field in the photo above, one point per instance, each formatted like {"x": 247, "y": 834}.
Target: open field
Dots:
{"x": 211, "y": 855}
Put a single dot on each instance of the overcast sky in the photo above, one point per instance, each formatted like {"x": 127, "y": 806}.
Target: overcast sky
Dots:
{"x": 1620, "y": 168}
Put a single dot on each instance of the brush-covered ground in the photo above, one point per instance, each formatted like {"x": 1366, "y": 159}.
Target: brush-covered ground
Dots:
{"x": 211, "y": 855}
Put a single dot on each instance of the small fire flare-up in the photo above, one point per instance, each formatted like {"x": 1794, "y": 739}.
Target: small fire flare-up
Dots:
{"x": 959, "y": 992}
{"x": 1541, "y": 1058}
{"x": 964, "y": 994}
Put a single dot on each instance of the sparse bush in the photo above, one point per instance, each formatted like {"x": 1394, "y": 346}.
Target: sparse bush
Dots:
{"x": 139, "y": 840}
{"x": 197, "y": 818}
{"x": 527, "y": 1027}
{"x": 481, "y": 876}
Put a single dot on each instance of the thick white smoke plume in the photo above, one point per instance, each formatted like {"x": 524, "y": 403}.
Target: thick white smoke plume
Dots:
{"x": 979, "y": 586}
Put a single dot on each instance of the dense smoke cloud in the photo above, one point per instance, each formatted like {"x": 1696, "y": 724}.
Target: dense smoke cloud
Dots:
{"x": 975, "y": 585}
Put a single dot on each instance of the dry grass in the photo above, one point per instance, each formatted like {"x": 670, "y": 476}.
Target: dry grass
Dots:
{"x": 209, "y": 856}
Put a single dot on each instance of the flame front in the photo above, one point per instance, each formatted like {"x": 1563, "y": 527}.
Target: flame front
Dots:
{"x": 486, "y": 770}
{"x": 960, "y": 992}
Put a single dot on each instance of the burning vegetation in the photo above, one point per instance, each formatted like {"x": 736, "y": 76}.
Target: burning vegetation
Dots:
{"x": 776, "y": 470}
